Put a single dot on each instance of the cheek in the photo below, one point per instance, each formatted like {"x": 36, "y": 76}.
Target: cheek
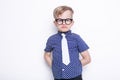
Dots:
{"x": 56, "y": 25}
{"x": 70, "y": 25}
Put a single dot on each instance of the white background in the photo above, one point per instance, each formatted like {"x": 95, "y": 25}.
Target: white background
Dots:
{"x": 25, "y": 25}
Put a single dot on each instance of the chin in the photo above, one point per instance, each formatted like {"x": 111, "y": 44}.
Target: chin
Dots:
{"x": 64, "y": 30}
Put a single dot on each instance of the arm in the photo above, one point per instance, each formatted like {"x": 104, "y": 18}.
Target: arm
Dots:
{"x": 48, "y": 58}
{"x": 85, "y": 58}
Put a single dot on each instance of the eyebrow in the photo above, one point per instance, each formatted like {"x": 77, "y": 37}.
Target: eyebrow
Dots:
{"x": 64, "y": 18}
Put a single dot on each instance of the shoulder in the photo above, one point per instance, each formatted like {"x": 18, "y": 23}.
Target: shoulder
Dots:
{"x": 53, "y": 37}
{"x": 76, "y": 36}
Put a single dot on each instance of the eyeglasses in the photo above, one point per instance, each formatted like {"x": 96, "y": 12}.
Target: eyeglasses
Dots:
{"x": 66, "y": 21}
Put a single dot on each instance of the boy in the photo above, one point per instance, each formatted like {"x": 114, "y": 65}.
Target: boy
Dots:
{"x": 66, "y": 66}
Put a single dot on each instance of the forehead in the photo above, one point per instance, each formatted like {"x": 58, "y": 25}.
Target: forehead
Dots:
{"x": 66, "y": 14}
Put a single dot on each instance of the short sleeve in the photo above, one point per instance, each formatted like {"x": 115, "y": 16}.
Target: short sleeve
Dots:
{"x": 48, "y": 47}
{"x": 82, "y": 46}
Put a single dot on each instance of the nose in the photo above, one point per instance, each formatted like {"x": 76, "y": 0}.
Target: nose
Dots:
{"x": 64, "y": 21}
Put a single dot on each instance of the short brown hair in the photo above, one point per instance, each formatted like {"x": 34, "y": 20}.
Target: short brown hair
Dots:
{"x": 60, "y": 9}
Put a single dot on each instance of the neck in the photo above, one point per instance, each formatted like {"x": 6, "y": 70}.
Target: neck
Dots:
{"x": 64, "y": 32}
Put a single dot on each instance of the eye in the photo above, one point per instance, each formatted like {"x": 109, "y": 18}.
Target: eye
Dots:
{"x": 58, "y": 20}
{"x": 69, "y": 19}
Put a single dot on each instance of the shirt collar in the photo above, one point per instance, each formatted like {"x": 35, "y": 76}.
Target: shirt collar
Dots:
{"x": 66, "y": 33}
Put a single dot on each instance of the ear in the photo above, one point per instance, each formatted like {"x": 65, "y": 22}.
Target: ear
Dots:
{"x": 72, "y": 22}
{"x": 55, "y": 23}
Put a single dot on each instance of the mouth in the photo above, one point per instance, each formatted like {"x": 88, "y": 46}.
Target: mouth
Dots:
{"x": 63, "y": 27}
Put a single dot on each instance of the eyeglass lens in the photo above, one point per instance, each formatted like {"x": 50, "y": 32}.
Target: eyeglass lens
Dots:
{"x": 66, "y": 21}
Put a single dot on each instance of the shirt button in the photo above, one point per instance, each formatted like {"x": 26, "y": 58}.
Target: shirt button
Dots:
{"x": 63, "y": 69}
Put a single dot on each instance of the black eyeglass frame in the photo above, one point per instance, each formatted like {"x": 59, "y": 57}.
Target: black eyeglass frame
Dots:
{"x": 64, "y": 20}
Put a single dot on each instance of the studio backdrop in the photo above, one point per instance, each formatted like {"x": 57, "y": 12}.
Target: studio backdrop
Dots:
{"x": 25, "y": 26}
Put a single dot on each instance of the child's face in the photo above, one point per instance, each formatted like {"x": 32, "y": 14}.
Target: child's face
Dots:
{"x": 64, "y": 21}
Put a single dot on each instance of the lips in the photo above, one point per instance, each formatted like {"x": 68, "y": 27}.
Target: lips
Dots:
{"x": 63, "y": 27}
